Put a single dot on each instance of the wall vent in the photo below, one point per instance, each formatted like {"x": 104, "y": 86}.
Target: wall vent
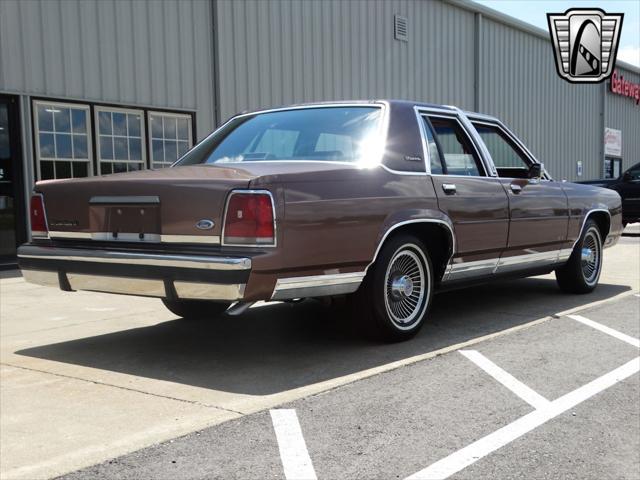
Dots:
{"x": 401, "y": 28}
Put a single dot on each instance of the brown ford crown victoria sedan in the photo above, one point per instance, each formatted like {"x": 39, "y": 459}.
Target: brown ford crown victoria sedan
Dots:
{"x": 384, "y": 201}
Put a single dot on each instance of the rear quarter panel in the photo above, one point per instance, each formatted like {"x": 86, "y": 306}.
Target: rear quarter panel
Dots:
{"x": 338, "y": 224}
{"x": 334, "y": 222}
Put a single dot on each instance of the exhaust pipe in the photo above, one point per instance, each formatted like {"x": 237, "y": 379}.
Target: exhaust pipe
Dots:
{"x": 238, "y": 308}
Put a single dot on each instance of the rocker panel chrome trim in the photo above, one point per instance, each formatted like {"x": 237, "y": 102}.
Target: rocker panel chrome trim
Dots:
{"x": 317, "y": 285}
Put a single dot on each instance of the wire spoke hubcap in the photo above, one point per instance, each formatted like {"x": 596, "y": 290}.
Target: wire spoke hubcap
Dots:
{"x": 590, "y": 257}
{"x": 405, "y": 287}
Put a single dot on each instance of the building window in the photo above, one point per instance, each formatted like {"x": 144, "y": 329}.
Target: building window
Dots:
{"x": 612, "y": 167}
{"x": 63, "y": 140}
{"x": 170, "y": 137}
{"x": 120, "y": 135}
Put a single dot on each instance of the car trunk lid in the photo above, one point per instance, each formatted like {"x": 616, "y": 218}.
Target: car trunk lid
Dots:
{"x": 175, "y": 205}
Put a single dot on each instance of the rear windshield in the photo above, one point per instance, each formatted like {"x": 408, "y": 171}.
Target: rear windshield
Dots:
{"x": 340, "y": 134}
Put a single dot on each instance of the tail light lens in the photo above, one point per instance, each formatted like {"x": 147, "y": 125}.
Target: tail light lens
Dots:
{"x": 38, "y": 217}
{"x": 249, "y": 219}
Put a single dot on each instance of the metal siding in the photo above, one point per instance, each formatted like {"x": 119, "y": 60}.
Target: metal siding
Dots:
{"x": 622, "y": 113}
{"x": 559, "y": 122}
{"x": 274, "y": 52}
{"x": 147, "y": 53}
{"x": 277, "y": 52}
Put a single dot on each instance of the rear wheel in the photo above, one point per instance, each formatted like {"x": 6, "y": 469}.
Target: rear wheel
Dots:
{"x": 582, "y": 271}
{"x": 393, "y": 300}
{"x": 196, "y": 308}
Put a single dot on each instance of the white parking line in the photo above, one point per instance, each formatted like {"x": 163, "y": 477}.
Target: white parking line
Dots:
{"x": 293, "y": 450}
{"x": 530, "y": 396}
{"x": 608, "y": 330}
{"x": 470, "y": 454}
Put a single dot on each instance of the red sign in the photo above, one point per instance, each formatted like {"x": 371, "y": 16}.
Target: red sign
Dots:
{"x": 620, "y": 86}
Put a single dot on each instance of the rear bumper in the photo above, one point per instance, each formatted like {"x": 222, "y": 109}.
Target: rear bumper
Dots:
{"x": 135, "y": 273}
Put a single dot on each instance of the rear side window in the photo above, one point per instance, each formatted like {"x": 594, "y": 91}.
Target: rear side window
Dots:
{"x": 460, "y": 158}
{"x": 434, "y": 156}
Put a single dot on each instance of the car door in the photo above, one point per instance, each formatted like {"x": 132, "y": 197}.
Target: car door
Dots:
{"x": 629, "y": 189}
{"x": 538, "y": 208}
{"x": 475, "y": 202}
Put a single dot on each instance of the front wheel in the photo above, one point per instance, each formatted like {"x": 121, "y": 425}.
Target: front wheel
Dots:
{"x": 195, "y": 308}
{"x": 582, "y": 271}
{"x": 393, "y": 300}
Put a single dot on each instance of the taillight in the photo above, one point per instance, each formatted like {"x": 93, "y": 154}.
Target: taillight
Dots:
{"x": 249, "y": 219}
{"x": 38, "y": 217}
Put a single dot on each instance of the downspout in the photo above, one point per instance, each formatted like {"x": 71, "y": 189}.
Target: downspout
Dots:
{"x": 476, "y": 62}
{"x": 215, "y": 64}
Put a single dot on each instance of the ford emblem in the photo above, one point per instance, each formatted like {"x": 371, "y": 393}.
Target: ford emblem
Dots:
{"x": 205, "y": 224}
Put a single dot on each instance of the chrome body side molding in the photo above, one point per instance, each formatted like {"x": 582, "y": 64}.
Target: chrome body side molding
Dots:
{"x": 458, "y": 271}
{"x": 317, "y": 285}
{"x": 534, "y": 259}
{"x": 487, "y": 267}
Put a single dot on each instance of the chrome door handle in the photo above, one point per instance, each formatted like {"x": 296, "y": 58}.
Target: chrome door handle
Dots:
{"x": 449, "y": 188}
{"x": 515, "y": 188}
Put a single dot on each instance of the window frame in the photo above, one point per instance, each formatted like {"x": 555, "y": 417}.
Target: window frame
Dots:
{"x": 35, "y": 126}
{"x": 613, "y": 161}
{"x": 96, "y": 126}
{"x": 426, "y": 128}
{"x": 453, "y": 116}
{"x": 508, "y": 138}
{"x": 190, "y": 121}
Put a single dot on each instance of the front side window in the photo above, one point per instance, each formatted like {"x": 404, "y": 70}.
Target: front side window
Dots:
{"x": 120, "y": 146}
{"x": 342, "y": 134}
{"x": 62, "y": 140}
{"x": 459, "y": 155}
{"x": 507, "y": 158}
{"x": 170, "y": 137}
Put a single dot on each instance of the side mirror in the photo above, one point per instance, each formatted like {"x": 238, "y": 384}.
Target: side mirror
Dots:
{"x": 535, "y": 170}
{"x": 627, "y": 177}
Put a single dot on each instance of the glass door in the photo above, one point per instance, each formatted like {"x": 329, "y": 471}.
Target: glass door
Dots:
{"x": 12, "y": 211}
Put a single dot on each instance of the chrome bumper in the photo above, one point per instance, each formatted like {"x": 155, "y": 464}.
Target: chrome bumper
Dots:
{"x": 134, "y": 273}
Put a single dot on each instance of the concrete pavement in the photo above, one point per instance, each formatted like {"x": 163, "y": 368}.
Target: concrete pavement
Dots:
{"x": 88, "y": 377}
{"x": 397, "y": 423}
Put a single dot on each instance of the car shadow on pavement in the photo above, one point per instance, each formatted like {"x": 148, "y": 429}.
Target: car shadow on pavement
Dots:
{"x": 278, "y": 347}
